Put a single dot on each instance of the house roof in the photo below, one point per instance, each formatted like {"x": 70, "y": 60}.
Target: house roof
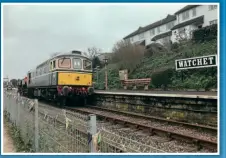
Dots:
{"x": 159, "y": 36}
{"x": 187, "y": 7}
{"x": 198, "y": 20}
{"x": 168, "y": 18}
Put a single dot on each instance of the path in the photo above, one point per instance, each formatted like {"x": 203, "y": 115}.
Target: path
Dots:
{"x": 8, "y": 146}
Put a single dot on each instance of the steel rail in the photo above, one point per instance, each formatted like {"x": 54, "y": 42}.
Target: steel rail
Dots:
{"x": 154, "y": 130}
{"x": 206, "y": 128}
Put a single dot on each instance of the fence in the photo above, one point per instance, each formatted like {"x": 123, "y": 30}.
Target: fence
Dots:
{"x": 50, "y": 129}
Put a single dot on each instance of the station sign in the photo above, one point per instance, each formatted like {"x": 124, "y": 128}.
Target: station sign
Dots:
{"x": 196, "y": 62}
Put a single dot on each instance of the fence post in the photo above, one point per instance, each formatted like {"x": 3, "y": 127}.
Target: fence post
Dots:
{"x": 36, "y": 127}
{"x": 92, "y": 131}
{"x": 9, "y": 107}
{"x": 18, "y": 109}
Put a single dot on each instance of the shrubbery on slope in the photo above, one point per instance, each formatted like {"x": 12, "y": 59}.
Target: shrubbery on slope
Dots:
{"x": 159, "y": 64}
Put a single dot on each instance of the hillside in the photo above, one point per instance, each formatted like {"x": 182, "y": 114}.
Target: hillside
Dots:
{"x": 161, "y": 68}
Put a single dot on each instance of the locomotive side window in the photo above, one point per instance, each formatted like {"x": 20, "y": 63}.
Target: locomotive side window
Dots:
{"x": 54, "y": 64}
{"x": 64, "y": 63}
{"x": 87, "y": 65}
{"x": 77, "y": 63}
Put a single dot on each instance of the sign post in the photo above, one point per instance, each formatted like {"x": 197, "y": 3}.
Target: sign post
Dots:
{"x": 196, "y": 62}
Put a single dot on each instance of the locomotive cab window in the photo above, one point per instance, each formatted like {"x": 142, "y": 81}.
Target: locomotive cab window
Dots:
{"x": 64, "y": 63}
{"x": 77, "y": 63}
{"x": 87, "y": 65}
{"x": 52, "y": 65}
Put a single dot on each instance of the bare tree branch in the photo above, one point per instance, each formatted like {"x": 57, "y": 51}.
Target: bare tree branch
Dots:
{"x": 92, "y": 52}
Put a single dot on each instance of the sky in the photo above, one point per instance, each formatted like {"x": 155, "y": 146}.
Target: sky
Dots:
{"x": 31, "y": 33}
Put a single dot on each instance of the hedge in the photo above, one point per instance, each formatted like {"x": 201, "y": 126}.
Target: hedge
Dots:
{"x": 205, "y": 34}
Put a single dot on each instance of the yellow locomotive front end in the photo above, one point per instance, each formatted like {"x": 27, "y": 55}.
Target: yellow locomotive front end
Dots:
{"x": 74, "y": 75}
{"x": 75, "y": 78}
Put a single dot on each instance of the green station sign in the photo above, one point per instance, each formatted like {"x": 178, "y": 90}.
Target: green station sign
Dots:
{"x": 196, "y": 62}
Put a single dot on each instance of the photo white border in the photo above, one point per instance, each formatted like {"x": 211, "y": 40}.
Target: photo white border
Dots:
{"x": 150, "y": 3}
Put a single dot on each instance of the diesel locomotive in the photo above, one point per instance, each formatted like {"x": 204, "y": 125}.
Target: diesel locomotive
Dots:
{"x": 61, "y": 78}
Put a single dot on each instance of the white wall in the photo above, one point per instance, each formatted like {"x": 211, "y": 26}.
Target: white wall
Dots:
{"x": 209, "y": 15}
{"x": 188, "y": 29}
{"x": 148, "y": 36}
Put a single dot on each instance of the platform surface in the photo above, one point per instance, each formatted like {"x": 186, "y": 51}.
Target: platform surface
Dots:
{"x": 184, "y": 94}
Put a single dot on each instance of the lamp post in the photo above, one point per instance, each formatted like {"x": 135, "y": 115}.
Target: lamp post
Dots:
{"x": 106, "y": 74}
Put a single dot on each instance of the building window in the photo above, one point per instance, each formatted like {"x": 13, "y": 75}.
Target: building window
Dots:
{"x": 152, "y": 32}
{"x": 194, "y": 12}
{"x": 141, "y": 36}
{"x": 213, "y": 22}
{"x": 131, "y": 39}
{"x": 212, "y": 7}
{"x": 200, "y": 26}
{"x": 159, "y": 30}
{"x": 169, "y": 25}
{"x": 185, "y": 15}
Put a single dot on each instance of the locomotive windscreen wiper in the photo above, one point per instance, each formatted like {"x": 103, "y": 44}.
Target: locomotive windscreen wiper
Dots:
{"x": 63, "y": 60}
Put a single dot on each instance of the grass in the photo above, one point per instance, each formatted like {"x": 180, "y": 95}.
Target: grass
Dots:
{"x": 14, "y": 133}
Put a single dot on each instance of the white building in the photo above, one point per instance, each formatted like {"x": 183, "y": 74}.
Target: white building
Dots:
{"x": 191, "y": 18}
{"x": 185, "y": 20}
{"x": 155, "y": 31}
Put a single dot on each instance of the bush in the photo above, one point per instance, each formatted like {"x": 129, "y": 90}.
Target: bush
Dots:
{"x": 205, "y": 34}
{"x": 162, "y": 78}
{"x": 175, "y": 46}
{"x": 127, "y": 55}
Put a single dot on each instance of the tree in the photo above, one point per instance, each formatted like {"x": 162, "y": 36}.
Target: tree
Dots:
{"x": 184, "y": 35}
{"x": 14, "y": 82}
{"x": 96, "y": 62}
{"x": 127, "y": 55}
{"x": 92, "y": 52}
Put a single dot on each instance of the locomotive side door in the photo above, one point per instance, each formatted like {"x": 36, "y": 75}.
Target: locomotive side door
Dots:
{"x": 52, "y": 74}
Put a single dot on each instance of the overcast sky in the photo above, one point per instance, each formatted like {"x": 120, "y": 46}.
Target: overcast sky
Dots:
{"x": 33, "y": 32}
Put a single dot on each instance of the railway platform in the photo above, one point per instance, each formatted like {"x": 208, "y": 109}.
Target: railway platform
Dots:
{"x": 155, "y": 93}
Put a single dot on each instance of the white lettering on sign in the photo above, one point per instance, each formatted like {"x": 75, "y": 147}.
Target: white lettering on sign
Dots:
{"x": 196, "y": 62}
{"x": 211, "y": 60}
{"x": 181, "y": 63}
{"x": 199, "y": 62}
{"x": 205, "y": 61}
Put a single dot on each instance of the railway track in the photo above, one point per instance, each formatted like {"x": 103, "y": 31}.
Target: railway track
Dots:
{"x": 202, "y": 136}
{"x": 171, "y": 122}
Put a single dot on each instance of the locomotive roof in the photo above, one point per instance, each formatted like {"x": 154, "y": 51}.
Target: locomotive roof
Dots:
{"x": 69, "y": 54}
{"x": 58, "y": 56}
{"x": 63, "y": 55}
